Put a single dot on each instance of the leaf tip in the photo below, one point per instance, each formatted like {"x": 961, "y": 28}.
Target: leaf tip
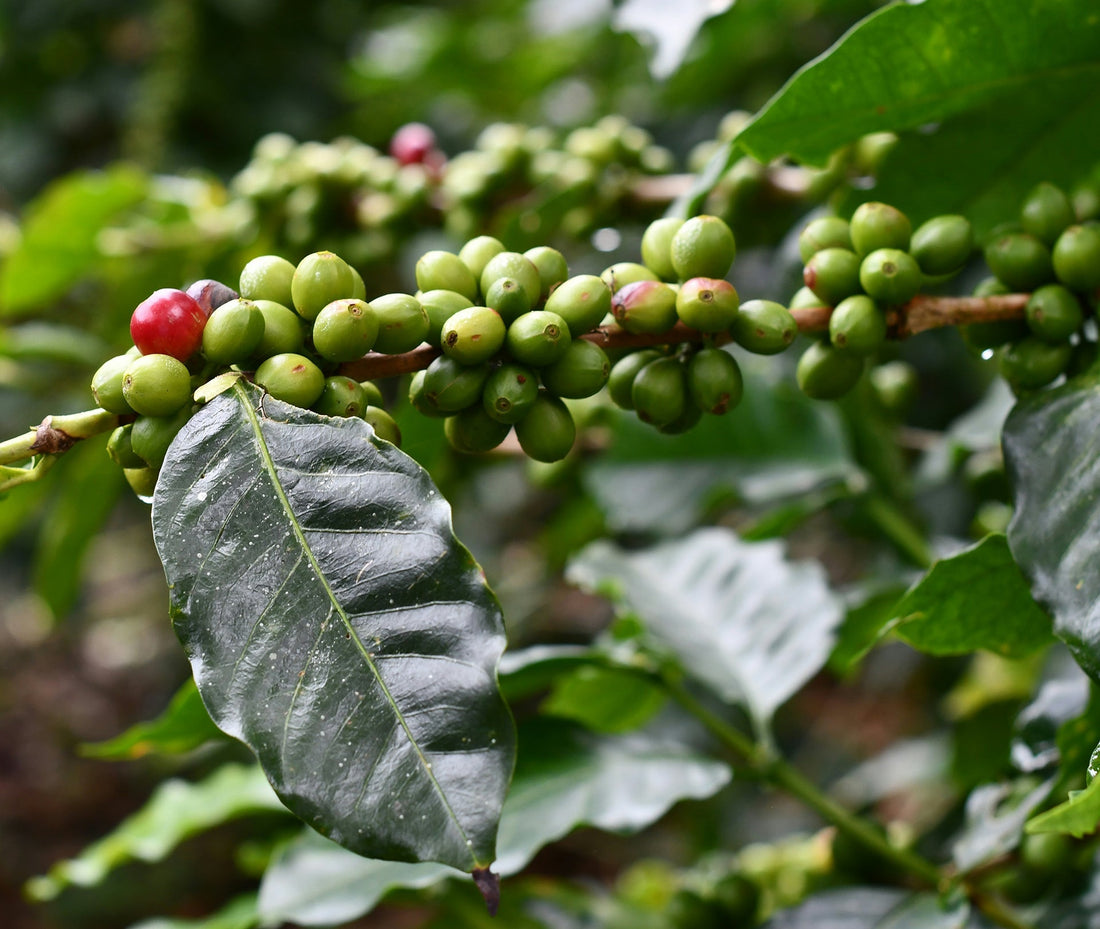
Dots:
{"x": 489, "y": 885}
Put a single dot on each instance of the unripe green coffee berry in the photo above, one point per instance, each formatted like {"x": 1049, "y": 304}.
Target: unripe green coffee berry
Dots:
{"x": 879, "y": 225}
{"x": 151, "y": 436}
{"x": 284, "y": 330}
{"x": 142, "y": 481}
{"x": 440, "y": 305}
{"x": 702, "y": 247}
{"x": 823, "y": 232}
{"x": 645, "y": 306}
{"x": 509, "y": 393}
{"x": 804, "y": 298}
{"x": 157, "y": 385}
{"x": 895, "y": 385}
{"x": 580, "y": 372}
{"x": 620, "y": 381}
{"x": 292, "y": 378}
{"x": 622, "y": 273}
{"x": 450, "y": 386}
{"x": 233, "y": 332}
{"x": 707, "y": 304}
{"x": 832, "y": 274}
{"x": 890, "y": 276}
{"x": 1076, "y": 257}
{"x": 473, "y": 335}
{"x": 582, "y": 301}
{"x": 358, "y": 288}
{"x": 657, "y": 246}
{"x": 1020, "y": 260}
{"x": 515, "y": 266}
{"x": 473, "y": 431}
{"x": 825, "y": 372}
{"x": 942, "y": 244}
{"x": 1032, "y": 363}
{"x": 477, "y": 253}
{"x": 982, "y": 336}
{"x": 372, "y": 393}
{"x": 319, "y": 279}
{"x": 107, "y": 384}
{"x": 402, "y": 323}
{"x": 538, "y": 338}
{"x": 268, "y": 278}
{"x": 714, "y": 381}
{"x": 1046, "y": 212}
{"x": 659, "y": 392}
{"x": 508, "y": 298}
{"x": 1054, "y": 313}
{"x": 384, "y": 425}
{"x": 552, "y": 268}
{"x": 858, "y": 325}
{"x": 765, "y": 327}
{"x": 341, "y": 396}
{"x": 345, "y": 330}
{"x": 442, "y": 270}
{"x": 121, "y": 449}
{"x": 547, "y": 432}
{"x": 419, "y": 399}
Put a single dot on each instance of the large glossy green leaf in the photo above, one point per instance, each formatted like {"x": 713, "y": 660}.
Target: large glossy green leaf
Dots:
{"x": 739, "y": 617}
{"x": 1051, "y": 458}
{"x": 336, "y": 626}
{"x": 177, "y": 810}
{"x": 565, "y": 778}
{"x": 909, "y": 65}
{"x": 975, "y": 599}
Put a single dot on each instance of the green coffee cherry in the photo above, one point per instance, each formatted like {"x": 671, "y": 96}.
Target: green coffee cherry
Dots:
{"x": 142, "y": 481}
{"x": 440, "y": 305}
{"x": 582, "y": 301}
{"x": 515, "y": 266}
{"x": 292, "y": 378}
{"x": 358, "y": 288}
{"x": 233, "y": 332}
{"x": 707, "y": 304}
{"x": 823, "y": 232}
{"x": 1076, "y": 257}
{"x": 620, "y": 381}
{"x": 319, "y": 279}
{"x": 372, "y": 392}
{"x": 121, "y": 449}
{"x": 345, "y": 330}
{"x": 450, "y": 386}
{"x": 473, "y": 431}
{"x": 580, "y": 372}
{"x": 1046, "y": 212}
{"x": 442, "y": 270}
{"x": 552, "y": 268}
{"x": 858, "y": 325}
{"x": 538, "y": 338}
{"x": 942, "y": 244}
{"x": 341, "y": 396}
{"x": 645, "y": 306}
{"x": 402, "y": 323}
{"x": 890, "y": 276}
{"x": 157, "y": 385}
{"x": 547, "y": 432}
{"x": 1020, "y": 260}
{"x": 983, "y": 336}
{"x": 107, "y": 384}
{"x": 384, "y": 425}
{"x": 879, "y": 225}
{"x": 765, "y": 327}
{"x": 267, "y": 278}
{"x": 702, "y": 247}
{"x": 420, "y": 400}
{"x": 1032, "y": 363}
{"x": 508, "y": 297}
{"x": 622, "y": 273}
{"x": 473, "y": 335}
{"x": 284, "y": 330}
{"x": 825, "y": 372}
{"x": 832, "y": 274}
{"x": 659, "y": 392}
{"x": 804, "y": 298}
{"x": 657, "y": 246}
{"x": 477, "y": 253}
{"x": 1054, "y": 313}
{"x": 509, "y": 393}
{"x": 895, "y": 385}
{"x": 688, "y": 419}
{"x": 151, "y": 436}
{"x": 714, "y": 381}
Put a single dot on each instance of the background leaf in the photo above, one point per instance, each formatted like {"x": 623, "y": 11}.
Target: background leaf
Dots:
{"x": 995, "y": 817}
{"x": 605, "y": 699}
{"x": 848, "y": 908}
{"x": 240, "y": 913}
{"x": 369, "y": 695}
{"x": 670, "y": 27}
{"x": 1078, "y": 816}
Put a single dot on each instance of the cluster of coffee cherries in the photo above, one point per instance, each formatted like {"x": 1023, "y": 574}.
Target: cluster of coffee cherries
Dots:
{"x": 289, "y": 325}
{"x": 1052, "y": 253}
{"x": 862, "y": 268}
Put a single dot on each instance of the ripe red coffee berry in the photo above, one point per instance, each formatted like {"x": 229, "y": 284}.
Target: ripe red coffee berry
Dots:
{"x": 168, "y": 322}
{"x": 412, "y": 143}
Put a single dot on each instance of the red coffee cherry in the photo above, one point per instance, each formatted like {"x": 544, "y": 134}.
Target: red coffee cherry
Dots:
{"x": 168, "y": 322}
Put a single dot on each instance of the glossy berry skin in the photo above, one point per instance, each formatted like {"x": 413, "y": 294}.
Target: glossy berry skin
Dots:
{"x": 341, "y": 396}
{"x": 827, "y": 373}
{"x": 878, "y": 225}
{"x": 714, "y": 381}
{"x": 707, "y": 304}
{"x": 583, "y": 302}
{"x": 473, "y": 431}
{"x": 232, "y": 332}
{"x": 210, "y": 294}
{"x": 657, "y": 246}
{"x": 514, "y": 265}
{"x": 1032, "y": 363}
{"x": 443, "y": 270}
{"x": 659, "y": 392}
{"x": 552, "y": 268}
{"x": 702, "y": 247}
{"x": 508, "y": 298}
{"x": 509, "y": 392}
{"x": 1046, "y": 212}
{"x": 121, "y": 450}
{"x": 1020, "y": 260}
{"x": 268, "y": 277}
{"x": 832, "y": 274}
{"x": 440, "y": 305}
{"x": 478, "y": 251}
{"x": 402, "y": 323}
{"x": 450, "y": 386}
{"x": 319, "y": 279}
{"x": 890, "y": 276}
{"x": 622, "y": 273}
{"x": 547, "y": 432}
{"x": 645, "y": 306}
{"x": 292, "y": 378}
{"x": 620, "y": 381}
{"x": 384, "y": 425}
{"x": 538, "y": 338}
{"x": 107, "y": 385}
{"x": 1054, "y": 313}
{"x": 858, "y": 325}
{"x": 157, "y": 385}
{"x": 168, "y": 322}
{"x": 1076, "y": 257}
{"x": 151, "y": 436}
{"x": 580, "y": 372}
{"x": 765, "y": 327}
{"x": 345, "y": 330}
{"x": 284, "y": 330}
{"x": 942, "y": 244}
{"x": 823, "y": 232}
{"x": 473, "y": 335}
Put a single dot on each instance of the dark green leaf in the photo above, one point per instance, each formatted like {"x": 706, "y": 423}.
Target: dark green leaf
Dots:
{"x": 241, "y": 913}
{"x": 1078, "y": 816}
{"x": 337, "y": 627}
{"x": 535, "y": 668}
{"x": 177, "y": 810}
{"x": 181, "y": 728}
{"x": 1050, "y": 456}
{"x": 863, "y": 623}
{"x": 909, "y": 65}
{"x": 740, "y": 617}
{"x": 847, "y": 908}
{"x": 995, "y": 817}
{"x": 605, "y": 699}
{"x": 975, "y": 599}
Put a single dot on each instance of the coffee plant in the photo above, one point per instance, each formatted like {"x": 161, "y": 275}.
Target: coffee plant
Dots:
{"x": 787, "y": 442}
